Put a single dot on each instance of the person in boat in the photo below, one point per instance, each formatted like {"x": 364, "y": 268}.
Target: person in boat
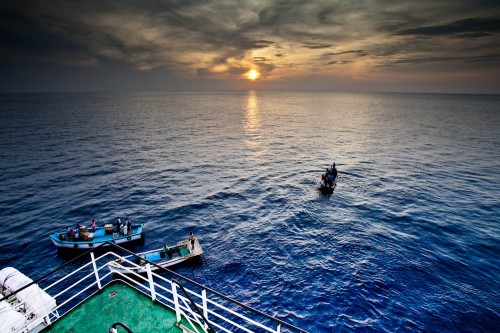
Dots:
{"x": 116, "y": 227}
{"x": 68, "y": 233}
{"x": 327, "y": 176}
{"x": 77, "y": 234}
{"x": 164, "y": 253}
{"x": 191, "y": 240}
{"x": 123, "y": 228}
{"x": 72, "y": 235}
{"x": 330, "y": 179}
{"x": 129, "y": 226}
{"x": 324, "y": 178}
{"x": 93, "y": 225}
{"x": 334, "y": 171}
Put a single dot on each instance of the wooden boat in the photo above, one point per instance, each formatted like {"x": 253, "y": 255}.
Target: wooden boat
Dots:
{"x": 90, "y": 238}
{"x": 328, "y": 189}
{"x": 164, "y": 257}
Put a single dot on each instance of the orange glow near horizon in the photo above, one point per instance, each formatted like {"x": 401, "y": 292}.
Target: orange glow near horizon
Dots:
{"x": 252, "y": 74}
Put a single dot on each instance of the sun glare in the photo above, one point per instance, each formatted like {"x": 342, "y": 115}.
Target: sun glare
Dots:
{"x": 253, "y": 74}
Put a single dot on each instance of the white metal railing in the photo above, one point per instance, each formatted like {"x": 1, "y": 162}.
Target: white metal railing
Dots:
{"x": 182, "y": 308}
{"x": 203, "y": 312}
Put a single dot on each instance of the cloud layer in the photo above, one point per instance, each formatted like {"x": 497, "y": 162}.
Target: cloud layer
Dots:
{"x": 289, "y": 42}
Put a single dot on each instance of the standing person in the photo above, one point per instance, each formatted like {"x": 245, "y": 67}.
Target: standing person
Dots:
{"x": 94, "y": 226}
{"x": 129, "y": 226}
{"x": 116, "y": 227}
{"x": 191, "y": 240}
{"x": 334, "y": 171}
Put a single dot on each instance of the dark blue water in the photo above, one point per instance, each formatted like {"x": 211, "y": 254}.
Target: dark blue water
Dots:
{"x": 409, "y": 241}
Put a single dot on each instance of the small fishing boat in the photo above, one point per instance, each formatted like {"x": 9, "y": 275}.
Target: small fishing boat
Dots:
{"x": 89, "y": 238}
{"x": 327, "y": 189}
{"x": 164, "y": 257}
{"x": 328, "y": 180}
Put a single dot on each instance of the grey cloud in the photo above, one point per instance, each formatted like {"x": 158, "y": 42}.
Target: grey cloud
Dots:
{"x": 259, "y": 59}
{"x": 317, "y": 46}
{"x": 469, "y": 28}
{"x": 325, "y": 14}
{"x": 493, "y": 58}
{"x": 266, "y": 68}
{"x": 202, "y": 72}
{"x": 173, "y": 36}
{"x": 359, "y": 53}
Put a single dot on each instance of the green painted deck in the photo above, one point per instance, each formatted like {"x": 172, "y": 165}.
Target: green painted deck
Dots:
{"x": 118, "y": 302}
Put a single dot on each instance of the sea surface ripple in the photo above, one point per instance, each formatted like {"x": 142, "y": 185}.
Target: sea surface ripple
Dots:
{"x": 408, "y": 242}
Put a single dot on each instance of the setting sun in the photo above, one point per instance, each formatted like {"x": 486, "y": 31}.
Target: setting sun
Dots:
{"x": 253, "y": 74}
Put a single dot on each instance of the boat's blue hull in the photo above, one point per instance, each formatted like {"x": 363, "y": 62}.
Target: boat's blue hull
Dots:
{"x": 100, "y": 236}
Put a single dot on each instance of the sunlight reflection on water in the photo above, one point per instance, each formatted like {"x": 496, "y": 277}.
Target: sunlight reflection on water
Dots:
{"x": 240, "y": 169}
{"x": 253, "y": 121}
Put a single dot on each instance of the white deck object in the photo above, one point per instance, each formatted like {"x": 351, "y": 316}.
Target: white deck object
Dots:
{"x": 10, "y": 319}
{"x": 27, "y": 308}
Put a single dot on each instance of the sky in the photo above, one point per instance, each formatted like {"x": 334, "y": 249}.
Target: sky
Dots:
{"x": 332, "y": 45}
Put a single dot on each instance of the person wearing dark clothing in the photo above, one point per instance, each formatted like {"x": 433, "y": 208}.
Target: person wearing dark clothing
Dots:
{"x": 191, "y": 240}
{"x": 116, "y": 227}
{"x": 334, "y": 171}
{"x": 129, "y": 226}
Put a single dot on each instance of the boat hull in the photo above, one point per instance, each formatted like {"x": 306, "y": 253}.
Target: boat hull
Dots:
{"x": 100, "y": 238}
{"x": 326, "y": 190}
{"x": 175, "y": 255}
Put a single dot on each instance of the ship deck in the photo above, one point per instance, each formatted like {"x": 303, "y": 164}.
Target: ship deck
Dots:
{"x": 119, "y": 302}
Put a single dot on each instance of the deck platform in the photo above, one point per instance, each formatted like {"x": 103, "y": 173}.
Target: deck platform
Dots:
{"x": 119, "y": 302}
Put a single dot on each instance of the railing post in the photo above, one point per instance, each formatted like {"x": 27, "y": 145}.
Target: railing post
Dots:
{"x": 176, "y": 302}
{"x": 151, "y": 283}
{"x": 95, "y": 271}
{"x": 204, "y": 302}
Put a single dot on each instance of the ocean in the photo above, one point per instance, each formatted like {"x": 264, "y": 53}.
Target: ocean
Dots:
{"x": 408, "y": 242}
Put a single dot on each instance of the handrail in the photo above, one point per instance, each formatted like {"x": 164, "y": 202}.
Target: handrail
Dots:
{"x": 283, "y": 323}
{"x": 210, "y": 328}
{"x": 260, "y": 313}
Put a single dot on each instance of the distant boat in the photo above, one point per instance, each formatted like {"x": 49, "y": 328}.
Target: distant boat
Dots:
{"x": 89, "y": 238}
{"x": 164, "y": 257}
{"x": 327, "y": 188}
